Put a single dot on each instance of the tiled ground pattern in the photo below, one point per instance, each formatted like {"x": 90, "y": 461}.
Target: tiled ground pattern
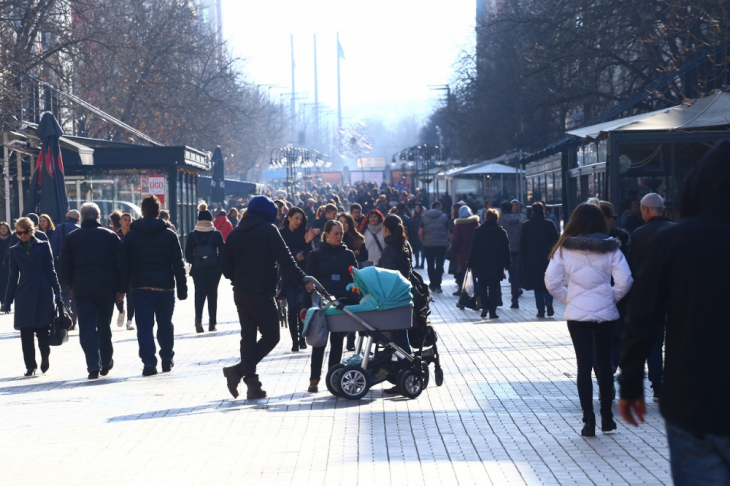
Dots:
{"x": 508, "y": 413}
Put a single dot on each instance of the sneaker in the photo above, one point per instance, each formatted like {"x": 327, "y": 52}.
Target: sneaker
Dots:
{"x": 550, "y": 310}
{"x": 130, "y": 326}
{"x": 120, "y": 319}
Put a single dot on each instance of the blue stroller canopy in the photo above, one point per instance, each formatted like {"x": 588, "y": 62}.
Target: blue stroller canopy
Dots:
{"x": 381, "y": 289}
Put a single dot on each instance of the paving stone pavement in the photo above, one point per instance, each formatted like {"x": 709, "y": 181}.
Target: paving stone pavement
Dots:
{"x": 507, "y": 413}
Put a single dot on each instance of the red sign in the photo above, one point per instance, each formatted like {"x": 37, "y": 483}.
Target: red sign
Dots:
{"x": 157, "y": 186}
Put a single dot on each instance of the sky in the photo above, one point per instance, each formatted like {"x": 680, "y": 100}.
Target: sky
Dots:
{"x": 394, "y": 50}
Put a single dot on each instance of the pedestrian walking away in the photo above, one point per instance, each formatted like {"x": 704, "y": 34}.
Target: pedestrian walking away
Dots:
{"x": 511, "y": 220}
{"x": 419, "y": 257}
{"x": 330, "y": 265}
{"x": 223, "y": 224}
{"x": 642, "y": 245}
{"x": 250, "y": 257}
{"x": 125, "y": 223}
{"x": 464, "y": 227}
{"x": 434, "y": 235}
{"x": 489, "y": 258}
{"x": 589, "y": 258}
{"x": 537, "y": 239}
{"x": 682, "y": 285}
{"x": 93, "y": 264}
{"x": 204, "y": 250}
{"x": 57, "y": 241}
{"x": 32, "y": 285}
{"x": 157, "y": 269}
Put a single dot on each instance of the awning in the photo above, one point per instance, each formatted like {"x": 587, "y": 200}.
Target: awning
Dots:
{"x": 231, "y": 187}
{"x": 712, "y": 110}
{"x": 491, "y": 166}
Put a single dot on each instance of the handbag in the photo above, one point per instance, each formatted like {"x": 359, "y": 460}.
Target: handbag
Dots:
{"x": 315, "y": 329}
{"x": 468, "y": 298}
{"x": 60, "y": 325}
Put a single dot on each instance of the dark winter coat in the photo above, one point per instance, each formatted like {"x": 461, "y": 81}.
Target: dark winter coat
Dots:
{"x": 195, "y": 238}
{"x": 14, "y": 240}
{"x": 362, "y": 254}
{"x": 684, "y": 278}
{"x": 512, "y": 223}
{"x": 537, "y": 239}
{"x": 251, "y": 254}
{"x": 59, "y": 236}
{"x": 330, "y": 265}
{"x": 296, "y": 243}
{"x": 155, "y": 256}
{"x": 489, "y": 255}
{"x": 394, "y": 258}
{"x": 642, "y": 241}
{"x": 32, "y": 284}
{"x": 4, "y": 247}
{"x": 93, "y": 263}
{"x": 415, "y": 225}
{"x": 435, "y": 228}
{"x": 462, "y": 237}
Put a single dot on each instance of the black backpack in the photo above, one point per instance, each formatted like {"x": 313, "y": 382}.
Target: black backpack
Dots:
{"x": 205, "y": 255}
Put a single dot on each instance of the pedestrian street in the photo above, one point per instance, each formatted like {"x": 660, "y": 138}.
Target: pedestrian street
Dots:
{"x": 507, "y": 413}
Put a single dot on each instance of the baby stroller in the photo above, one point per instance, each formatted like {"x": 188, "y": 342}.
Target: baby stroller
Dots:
{"x": 386, "y": 305}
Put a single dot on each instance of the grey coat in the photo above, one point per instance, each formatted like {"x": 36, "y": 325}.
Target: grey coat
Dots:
{"x": 512, "y": 224}
{"x": 32, "y": 285}
{"x": 435, "y": 228}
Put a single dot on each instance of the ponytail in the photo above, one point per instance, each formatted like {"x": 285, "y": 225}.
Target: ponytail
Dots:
{"x": 397, "y": 231}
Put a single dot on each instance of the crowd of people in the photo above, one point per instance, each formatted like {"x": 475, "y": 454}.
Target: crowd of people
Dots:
{"x": 270, "y": 247}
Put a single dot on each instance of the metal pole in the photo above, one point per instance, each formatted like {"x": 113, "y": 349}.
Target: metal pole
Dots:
{"x": 293, "y": 90}
{"x": 316, "y": 96}
{"x": 339, "y": 88}
{"x": 19, "y": 159}
{"x": 6, "y": 164}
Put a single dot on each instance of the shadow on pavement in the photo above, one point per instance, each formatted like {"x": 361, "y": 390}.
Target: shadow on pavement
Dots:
{"x": 42, "y": 386}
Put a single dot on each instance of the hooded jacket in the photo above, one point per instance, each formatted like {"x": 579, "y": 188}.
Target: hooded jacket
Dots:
{"x": 512, "y": 224}
{"x": 435, "y": 228}
{"x": 589, "y": 262}
{"x": 155, "y": 257}
{"x": 251, "y": 254}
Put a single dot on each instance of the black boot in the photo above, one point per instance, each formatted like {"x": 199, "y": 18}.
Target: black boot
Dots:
{"x": 233, "y": 378}
{"x": 254, "y": 391}
{"x": 607, "y": 422}
{"x": 211, "y": 327}
{"x": 589, "y": 425}
{"x": 199, "y": 325}
{"x": 302, "y": 343}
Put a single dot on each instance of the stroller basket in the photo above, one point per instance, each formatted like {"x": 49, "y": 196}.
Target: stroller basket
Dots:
{"x": 387, "y": 320}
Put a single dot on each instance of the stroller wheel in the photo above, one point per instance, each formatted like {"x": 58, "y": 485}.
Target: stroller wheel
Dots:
{"x": 410, "y": 383}
{"x": 439, "y": 375}
{"x": 332, "y": 380}
{"x": 354, "y": 382}
{"x": 425, "y": 374}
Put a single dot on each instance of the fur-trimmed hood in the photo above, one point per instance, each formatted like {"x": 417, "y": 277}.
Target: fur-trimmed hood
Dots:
{"x": 593, "y": 243}
{"x": 470, "y": 220}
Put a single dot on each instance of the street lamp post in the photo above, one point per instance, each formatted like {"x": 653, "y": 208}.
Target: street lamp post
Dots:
{"x": 291, "y": 158}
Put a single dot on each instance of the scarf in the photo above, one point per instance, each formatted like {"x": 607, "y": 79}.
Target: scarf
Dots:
{"x": 204, "y": 226}
{"x": 4, "y": 238}
{"x": 27, "y": 246}
{"x": 375, "y": 229}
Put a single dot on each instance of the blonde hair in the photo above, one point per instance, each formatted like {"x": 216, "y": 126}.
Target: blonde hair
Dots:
{"x": 203, "y": 206}
{"x": 26, "y": 224}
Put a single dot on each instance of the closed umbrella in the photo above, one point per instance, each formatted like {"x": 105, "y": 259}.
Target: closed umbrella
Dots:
{"x": 217, "y": 184}
{"x": 47, "y": 185}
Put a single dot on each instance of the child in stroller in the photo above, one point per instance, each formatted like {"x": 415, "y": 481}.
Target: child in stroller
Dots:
{"x": 386, "y": 305}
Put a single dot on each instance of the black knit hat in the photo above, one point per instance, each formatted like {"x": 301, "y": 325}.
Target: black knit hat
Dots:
{"x": 204, "y": 214}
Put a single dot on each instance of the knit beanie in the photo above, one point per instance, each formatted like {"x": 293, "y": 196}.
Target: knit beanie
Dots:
{"x": 265, "y": 206}
{"x": 203, "y": 213}
{"x": 464, "y": 212}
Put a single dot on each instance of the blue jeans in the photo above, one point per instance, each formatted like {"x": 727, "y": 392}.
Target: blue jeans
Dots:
{"x": 698, "y": 460}
{"x": 95, "y": 334}
{"x": 542, "y": 297}
{"x": 148, "y": 306}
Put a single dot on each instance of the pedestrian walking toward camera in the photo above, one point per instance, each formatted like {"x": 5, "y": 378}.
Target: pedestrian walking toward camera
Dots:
{"x": 511, "y": 220}
{"x": 251, "y": 255}
{"x": 434, "y": 235}
{"x": 126, "y": 223}
{"x": 418, "y": 256}
{"x": 45, "y": 224}
{"x": 489, "y": 257}
{"x": 589, "y": 258}
{"x": 537, "y": 239}
{"x": 32, "y": 284}
{"x": 682, "y": 285}
{"x": 372, "y": 232}
{"x": 204, "y": 249}
{"x": 157, "y": 266}
{"x": 93, "y": 264}
{"x": 299, "y": 241}
{"x": 330, "y": 265}
{"x": 642, "y": 245}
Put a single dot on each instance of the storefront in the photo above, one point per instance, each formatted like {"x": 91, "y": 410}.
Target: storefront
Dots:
{"x": 544, "y": 182}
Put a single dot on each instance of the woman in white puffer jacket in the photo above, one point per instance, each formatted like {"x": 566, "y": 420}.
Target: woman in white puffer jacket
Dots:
{"x": 589, "y": 259}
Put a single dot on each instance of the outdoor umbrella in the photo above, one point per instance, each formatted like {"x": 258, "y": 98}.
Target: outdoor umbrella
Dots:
{"x": 217, "y": 185}
{"x": 47, "y": 194}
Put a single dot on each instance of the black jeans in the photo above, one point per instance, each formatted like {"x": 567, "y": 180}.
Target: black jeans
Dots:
{"x": 514, "y": 277}
{"x": 206, "y": 287}
{"x": 295, "y": 301}
{"x": 95, "y": 334}
{"x": 589, "y": 338}
{"x": 489, "y": 292}
{"x": 336, "y": 339}
{"x": 26, "y": 340}
{"x": 257, "y": 313}
{"x": 435, "y": 256}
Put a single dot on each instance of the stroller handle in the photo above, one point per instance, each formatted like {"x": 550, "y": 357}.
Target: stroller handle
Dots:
{"x": 317, "y": 286}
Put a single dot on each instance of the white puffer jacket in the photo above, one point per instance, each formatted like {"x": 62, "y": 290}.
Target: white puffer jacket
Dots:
{"x": 589, "y": 262}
